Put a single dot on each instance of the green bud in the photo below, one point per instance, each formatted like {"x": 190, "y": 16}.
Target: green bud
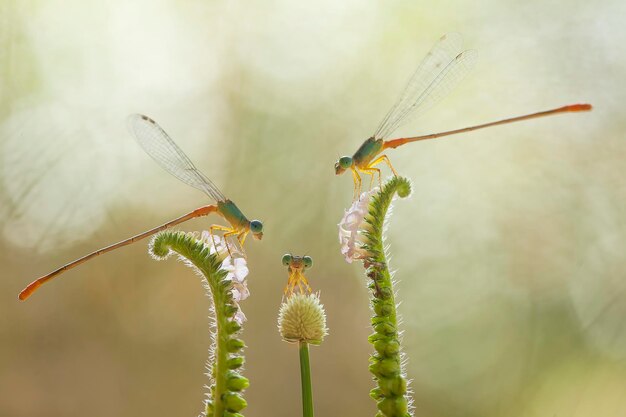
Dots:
{"x": 236, "y": 362}
{"x": 393, "y": 406}
{"x": 377, "y": 320}
{"x": 385, "y": 293}
{"x": 392, "y": 386}
{"x": 236, "y": 382}
{"x": 375, "y": 393}
{"x": 374, "y": 337}
{"x": 234, "y": 345}
{"x": 398, "y": 386}
{"x": 404, "y": 189}
{"x": 381, "y": 346}
{"x": 385, "y": 328}
{"x": 234, "y": 402}
{"x": 383, "y": 308}
{"x": 232, "y": 327}
{"x": 230, "y": 310}
{"x": 392, "y": 348}
{"x": 389, "y": 366}
{"x": 374, "y": 368}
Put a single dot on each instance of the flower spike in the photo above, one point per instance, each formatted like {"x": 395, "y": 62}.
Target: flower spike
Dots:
{"x": 361, "y": 238}
{"x": 224, "y": 279}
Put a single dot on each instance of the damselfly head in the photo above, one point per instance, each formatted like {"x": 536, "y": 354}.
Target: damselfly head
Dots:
{"x": 295, "y": 267}
{"x": 256, "y": 227}
{"x": 342, "y": 164}
{"x": 297, "y": 262}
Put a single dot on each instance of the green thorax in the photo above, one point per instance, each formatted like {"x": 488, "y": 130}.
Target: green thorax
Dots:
{"x": 368, "y": 150}
{"x": 232, "y": 214}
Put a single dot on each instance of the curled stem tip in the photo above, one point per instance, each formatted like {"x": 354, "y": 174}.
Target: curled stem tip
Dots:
{"x": 221, "y": 276}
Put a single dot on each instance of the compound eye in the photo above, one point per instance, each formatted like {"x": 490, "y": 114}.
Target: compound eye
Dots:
{"x": 287, "y": 259}
{"x": 308, "y": 261}
{"x": 256, "y": 226}
{"x": 345, "y": 162}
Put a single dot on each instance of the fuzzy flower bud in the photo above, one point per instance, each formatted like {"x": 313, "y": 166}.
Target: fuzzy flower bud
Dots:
{"x": 302, "y": 319}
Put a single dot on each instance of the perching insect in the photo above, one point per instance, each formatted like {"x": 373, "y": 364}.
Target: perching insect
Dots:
{"x": 153, "y": 139}
{"x": 439, "y": 72}
{"x": 296, "y": 266}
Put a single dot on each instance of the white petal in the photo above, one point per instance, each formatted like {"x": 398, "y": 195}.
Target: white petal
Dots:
{"x": 240, "y": 269}
{"x": 353, "y": 220}
{"x": 240, "y": 292}
{"x": 239, "y": 317}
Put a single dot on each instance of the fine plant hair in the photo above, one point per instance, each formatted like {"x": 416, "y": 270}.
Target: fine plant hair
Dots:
{"x": 225, "y": 354}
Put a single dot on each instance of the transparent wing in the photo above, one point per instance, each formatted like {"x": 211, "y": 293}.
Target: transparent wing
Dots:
{"x": 168, "y": 155}
{"x": 439, "y": 72}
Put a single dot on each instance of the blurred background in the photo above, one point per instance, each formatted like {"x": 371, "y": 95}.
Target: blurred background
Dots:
{"x": 509, "y": 255}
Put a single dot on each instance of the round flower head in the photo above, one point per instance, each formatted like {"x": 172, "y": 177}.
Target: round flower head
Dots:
{"x": 352, "y": 222}
{"x": 302, "y": 319}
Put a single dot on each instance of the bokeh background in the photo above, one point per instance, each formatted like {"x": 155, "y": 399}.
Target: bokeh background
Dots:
{"x": 510, "y": 253}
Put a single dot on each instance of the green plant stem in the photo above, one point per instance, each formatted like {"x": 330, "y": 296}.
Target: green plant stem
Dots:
{"x": 386, "y": 362}
{"x": 221, "y": 354}
{"x": 225, "y": 392}
{"x": 305, "y": 375}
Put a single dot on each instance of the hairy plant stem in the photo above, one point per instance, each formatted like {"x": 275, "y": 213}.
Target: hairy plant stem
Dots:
{"x": 224, "y": 397}
{"x": 386, "y": 362}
